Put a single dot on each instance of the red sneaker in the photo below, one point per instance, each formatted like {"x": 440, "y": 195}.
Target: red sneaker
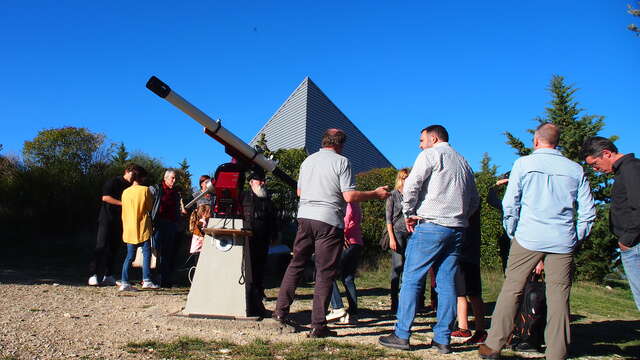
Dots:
{"x": 461, "y": 333}
{"x": 478, "y": 338}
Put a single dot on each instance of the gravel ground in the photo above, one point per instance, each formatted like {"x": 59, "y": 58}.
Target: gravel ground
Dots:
{"x": 43, "y": 319}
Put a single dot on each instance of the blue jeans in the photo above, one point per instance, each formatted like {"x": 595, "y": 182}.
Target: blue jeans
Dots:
{"x": 430, "y": 246}
{"x": 146, "y": 261}
{"x": 631, "y": 263}
{"x": 348, "y": 266}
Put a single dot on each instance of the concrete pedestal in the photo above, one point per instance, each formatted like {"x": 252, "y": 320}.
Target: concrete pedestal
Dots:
{"x": 218, "y": 287}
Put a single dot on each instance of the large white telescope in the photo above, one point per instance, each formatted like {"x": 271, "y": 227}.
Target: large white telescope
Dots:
{"x": 217, "y": 131}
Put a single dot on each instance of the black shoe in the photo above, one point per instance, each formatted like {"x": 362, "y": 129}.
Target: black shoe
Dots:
{"x": 442, "y": 348}
{"x": 323, "y": 332}
{"x": 392, "y": 341}
{"x": 285, "y": 323}
{"x": 526, "y": 347}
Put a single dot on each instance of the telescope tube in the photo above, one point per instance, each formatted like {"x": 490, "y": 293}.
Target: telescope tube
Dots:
{"x": 215, "y": 128}
{"x": 210, "y": 190}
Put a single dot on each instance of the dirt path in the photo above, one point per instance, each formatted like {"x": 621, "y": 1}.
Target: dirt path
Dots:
{"x": 41, "y": 319}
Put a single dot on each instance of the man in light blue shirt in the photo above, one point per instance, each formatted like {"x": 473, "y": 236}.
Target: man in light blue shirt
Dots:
{"x": 548, "y": 211}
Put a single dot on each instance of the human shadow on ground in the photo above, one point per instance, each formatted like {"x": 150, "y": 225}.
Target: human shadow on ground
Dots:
{"x": 600, "y": 338}
{"x": 309, "y": 286}
{"x": 374, "y": 322}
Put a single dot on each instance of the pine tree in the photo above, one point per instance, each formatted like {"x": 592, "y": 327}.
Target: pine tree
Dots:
{"x": 121, "y": 156}
{"x": 490, "y": 218}
{"x": 594, "y": 260}
{"x": 261, "y": 146}
{"x": 184, "y": 181}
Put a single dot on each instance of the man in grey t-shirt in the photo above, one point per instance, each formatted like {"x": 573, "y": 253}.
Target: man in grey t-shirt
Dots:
{"x": 325, "y": 185}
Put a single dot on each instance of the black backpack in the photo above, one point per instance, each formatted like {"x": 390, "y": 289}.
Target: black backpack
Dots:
{"x": 528, "y": 334}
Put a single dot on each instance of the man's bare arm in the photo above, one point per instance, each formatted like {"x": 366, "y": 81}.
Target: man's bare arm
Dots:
{"x": 111, "y": 200}
{"x": 359, "y": 196}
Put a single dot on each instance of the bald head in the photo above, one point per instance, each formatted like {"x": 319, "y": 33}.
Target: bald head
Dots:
{"x": 547, "y": 135}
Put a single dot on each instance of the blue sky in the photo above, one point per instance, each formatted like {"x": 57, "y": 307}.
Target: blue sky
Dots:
{"x": 478, "y": 68}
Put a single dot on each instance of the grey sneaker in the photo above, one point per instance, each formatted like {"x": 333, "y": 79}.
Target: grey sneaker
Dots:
{"x": 392, "y": 341}
{"x": 127, "y": 287}
{"x": 149, "y": 285}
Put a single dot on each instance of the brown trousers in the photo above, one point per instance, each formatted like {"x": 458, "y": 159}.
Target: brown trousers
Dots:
{"x": 558, "y": 269}
{"x": 326, "y": 241}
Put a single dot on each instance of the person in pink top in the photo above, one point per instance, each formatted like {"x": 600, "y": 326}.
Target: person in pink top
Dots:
{"x": 349, "y": 261}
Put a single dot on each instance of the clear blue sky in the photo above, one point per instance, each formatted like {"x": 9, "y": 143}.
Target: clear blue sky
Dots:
{"x": 478, "y": 68}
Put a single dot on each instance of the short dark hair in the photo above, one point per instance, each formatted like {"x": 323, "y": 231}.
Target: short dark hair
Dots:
{"x": 594, "y": 146}
{"x": 138, "y": 174}
{"x": 204, "y": 178}
{"x": 333, "y": 137}
{"x": 438, "y": 130}
{"x": 130, "y": 167}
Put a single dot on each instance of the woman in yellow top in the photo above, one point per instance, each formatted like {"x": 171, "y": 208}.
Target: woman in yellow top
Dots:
{"x": 136, "y": 225}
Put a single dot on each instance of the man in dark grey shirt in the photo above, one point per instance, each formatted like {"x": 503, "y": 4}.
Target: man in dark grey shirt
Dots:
{"x": 601, "y": 154}
{"x": 325, "y": 185}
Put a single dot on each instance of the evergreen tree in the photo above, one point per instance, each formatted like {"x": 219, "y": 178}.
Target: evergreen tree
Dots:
{"x": 121, "y": 156}
{"x": 261, "y": 146}
{"x": 490, "y": 218}
{"x": 184, "y": 181}
{"x": 594, "y": 260}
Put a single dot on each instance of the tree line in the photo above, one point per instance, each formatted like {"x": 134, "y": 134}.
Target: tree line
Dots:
{"x": 56, "y": 186}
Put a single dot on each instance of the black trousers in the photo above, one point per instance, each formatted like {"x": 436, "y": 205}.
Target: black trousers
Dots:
{"x": 108, "y": 245}
{"x": 256, "y": 250}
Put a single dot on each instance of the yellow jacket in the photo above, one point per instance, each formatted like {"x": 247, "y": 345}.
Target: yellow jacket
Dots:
{"x": 136, "y": 221}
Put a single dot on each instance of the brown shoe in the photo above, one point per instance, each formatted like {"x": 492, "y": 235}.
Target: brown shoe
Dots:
{"x": 486, "y": 352}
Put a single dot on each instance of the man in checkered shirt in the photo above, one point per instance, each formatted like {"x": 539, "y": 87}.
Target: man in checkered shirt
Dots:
{"x": 439, "y": 197}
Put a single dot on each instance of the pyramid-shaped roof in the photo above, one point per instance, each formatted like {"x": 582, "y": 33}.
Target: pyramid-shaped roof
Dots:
{"x": 303, "y": 118}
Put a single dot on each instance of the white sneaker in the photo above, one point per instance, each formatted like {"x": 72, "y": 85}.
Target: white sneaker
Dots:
{"x": 108, "y": 281}
{"x": 93, "y": 280}
{"x": 127, "y": 287}
{"x": 336, "y": 314}
{"x": 149, "y": 285}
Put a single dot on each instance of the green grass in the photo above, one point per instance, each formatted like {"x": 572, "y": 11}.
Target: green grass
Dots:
{"x": 605, "y": 325}
{"x": 193, "y": 349}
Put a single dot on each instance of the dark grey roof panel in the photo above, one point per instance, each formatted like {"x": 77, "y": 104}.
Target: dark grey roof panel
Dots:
{"x": 305, "y": 116}
{"x": 323, "y": 114}
{"x": 286, "y": 128}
